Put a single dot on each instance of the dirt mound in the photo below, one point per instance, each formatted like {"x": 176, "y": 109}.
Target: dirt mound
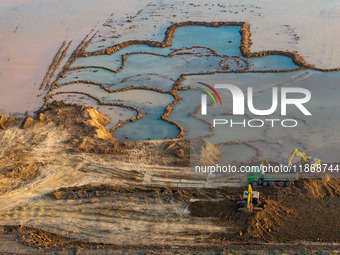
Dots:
{"x": 179, "y": 149}
{"x": 306, "y": 211}
{"x": 13, "y": 175}
{"x": 320, "y": 188}
{"x": 5, "y": 122}
{"x": 86, "y": 126}
{"x": 268, "y": 221}
{"x": 204, "y": 152}
{"x": 25, "y": 142}
{"x": 28, "y": 122}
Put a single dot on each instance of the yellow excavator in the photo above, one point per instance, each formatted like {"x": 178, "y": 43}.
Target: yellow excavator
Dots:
{"x": 250, "y": 202}
{"x": 304, "y": 159}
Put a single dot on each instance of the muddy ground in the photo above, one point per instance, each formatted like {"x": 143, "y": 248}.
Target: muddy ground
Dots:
{"x": 68, "y": 187}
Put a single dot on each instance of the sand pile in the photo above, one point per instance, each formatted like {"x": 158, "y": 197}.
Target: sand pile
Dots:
{"x": 309, "y": 210}
{"x": 80, "y": 120}
{"x": 5, "y": 122}
{"x": 85, "y": 125}
{"x": 320, "y": 188}
{"x": 271, "y": 219}
{"x": 204, "y": 152}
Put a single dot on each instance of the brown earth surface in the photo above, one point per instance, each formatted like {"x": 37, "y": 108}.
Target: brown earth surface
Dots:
{"x": 66, "y": 183}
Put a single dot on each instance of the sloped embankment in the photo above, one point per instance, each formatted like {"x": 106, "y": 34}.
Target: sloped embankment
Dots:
{"x": 308, "y": 211}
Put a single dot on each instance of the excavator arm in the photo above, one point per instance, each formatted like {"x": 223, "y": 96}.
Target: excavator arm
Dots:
{"x": 250, "y": 196}
{"x": 303, "y": 159}
{"x": 249, "y": 206}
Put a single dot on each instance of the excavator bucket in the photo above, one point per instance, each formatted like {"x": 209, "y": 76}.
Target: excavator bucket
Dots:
{"x": 245, "y": 210}
{"x": 250, "y": 209}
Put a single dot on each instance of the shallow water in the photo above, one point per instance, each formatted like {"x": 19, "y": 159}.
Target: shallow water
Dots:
{"x": 89, "y": 74}
{"x": 148, "y": 128}
{"x": 236, "y": 153}
{"x": 181, "y": 114}
{"x": 271, "y": 63}
{"x": 143, "y": 64}
{"x": 224, "y": 40}
{"x": 152, "y": 105}
{"x": 147, "y": 80}
{"x": 135, "y": 97}
{"x": 317, "y": 134}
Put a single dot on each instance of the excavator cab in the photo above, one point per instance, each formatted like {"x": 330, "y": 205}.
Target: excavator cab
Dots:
{"x": 250, "y": 201}
{"x": 255, "y": 196}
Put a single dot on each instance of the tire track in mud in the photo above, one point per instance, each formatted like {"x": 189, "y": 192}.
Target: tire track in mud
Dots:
{"x": 91, "y": 218}
{"x": 8, "y": 138}
{"x": 145, "y": 218}
{"x": 48, "y": 179}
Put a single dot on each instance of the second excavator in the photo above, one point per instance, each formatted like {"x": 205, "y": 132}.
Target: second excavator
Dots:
{"x": 304, "y": 159}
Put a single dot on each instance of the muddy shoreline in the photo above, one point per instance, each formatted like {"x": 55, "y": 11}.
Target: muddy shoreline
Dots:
{"x": 245, "y": 44}
{"x": 245, "y": 48}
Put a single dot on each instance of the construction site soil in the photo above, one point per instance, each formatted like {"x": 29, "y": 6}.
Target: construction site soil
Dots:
{"x": 161, "y": 213}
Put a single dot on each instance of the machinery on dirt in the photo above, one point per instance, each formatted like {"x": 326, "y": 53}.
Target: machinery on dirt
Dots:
{"x": 304, "y": 159}
{"x": 257, "y": 176}
{"x": 250, "y": 202}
